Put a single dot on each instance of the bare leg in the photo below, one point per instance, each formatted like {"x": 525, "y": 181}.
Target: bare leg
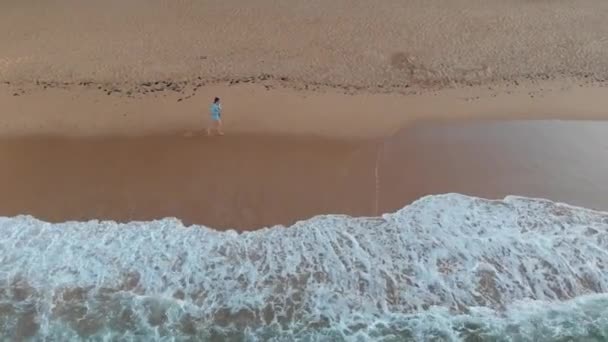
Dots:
{"x": 218, "y": 127}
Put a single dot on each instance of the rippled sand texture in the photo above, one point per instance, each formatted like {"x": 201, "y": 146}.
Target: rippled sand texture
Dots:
{"x": 354, "y": 43}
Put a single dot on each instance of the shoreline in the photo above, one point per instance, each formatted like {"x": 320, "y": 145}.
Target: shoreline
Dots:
{"x": 390, "y": 170}
{"x": 254, "y": 181}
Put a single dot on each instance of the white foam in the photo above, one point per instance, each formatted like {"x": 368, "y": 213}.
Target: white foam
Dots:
{"x": 443, "y": 256}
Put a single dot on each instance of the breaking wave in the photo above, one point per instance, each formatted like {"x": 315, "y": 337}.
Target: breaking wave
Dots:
{"x": 445, "y": 268}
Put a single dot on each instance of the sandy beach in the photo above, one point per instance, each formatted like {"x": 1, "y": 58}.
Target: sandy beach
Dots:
{"x": 348, "y": 43}
{"x": 107, "y": 102}
{"x": 391, "y": 170}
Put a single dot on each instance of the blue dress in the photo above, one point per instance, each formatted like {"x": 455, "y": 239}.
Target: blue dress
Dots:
{"x": 216, "y": 112}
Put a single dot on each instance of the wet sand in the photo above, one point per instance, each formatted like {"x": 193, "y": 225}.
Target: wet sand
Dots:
{"x": 564, "y": 161}
{"x": 246, "y": 182}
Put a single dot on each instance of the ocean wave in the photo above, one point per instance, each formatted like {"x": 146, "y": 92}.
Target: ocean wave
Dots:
{"x": 445, "y": 268}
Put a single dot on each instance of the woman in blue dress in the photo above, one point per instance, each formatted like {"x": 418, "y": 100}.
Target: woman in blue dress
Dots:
{"x": 216, "y": 117}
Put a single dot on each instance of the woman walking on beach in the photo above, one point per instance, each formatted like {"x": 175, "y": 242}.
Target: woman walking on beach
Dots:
{"x": 216, "y": 117}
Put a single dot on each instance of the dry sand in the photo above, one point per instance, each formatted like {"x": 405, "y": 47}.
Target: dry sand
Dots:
{"x": 338, "y": 68}
{"x": 251, "y": 109}
{"x": 347, "y": 43}
{"x": 310, "y": 90}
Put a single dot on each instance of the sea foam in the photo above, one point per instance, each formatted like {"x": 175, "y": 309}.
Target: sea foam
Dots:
{"x": 447, "y": 268}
